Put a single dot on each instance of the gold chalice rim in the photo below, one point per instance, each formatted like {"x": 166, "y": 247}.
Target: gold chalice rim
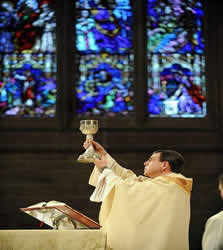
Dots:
{"x": 89, "y": 127}
{"x": 94, "y": 122}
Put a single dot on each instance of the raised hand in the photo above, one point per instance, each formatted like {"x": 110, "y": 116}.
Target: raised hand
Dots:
{"x": 97, "y": 147}
{"x": 101, "y": 163}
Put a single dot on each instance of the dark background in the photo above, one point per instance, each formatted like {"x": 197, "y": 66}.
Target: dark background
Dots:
{"x": 38, "y": 156}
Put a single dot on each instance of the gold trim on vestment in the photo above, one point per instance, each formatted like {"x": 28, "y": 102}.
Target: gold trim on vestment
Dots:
{"x": 186, "y": 184}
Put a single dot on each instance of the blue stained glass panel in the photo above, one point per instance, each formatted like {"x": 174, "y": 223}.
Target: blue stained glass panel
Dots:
{"x": 103, "y": 30}
{"x": 172, "y": 13}
{"x": 104, "y": 44}
{"x": 97, "y": 4}
{"x": 104, "y": 85}
{"x": 176, "y": 86}
{"x": 175, "y": 26}
{"x": 176, "y": 61}
{"x": 27, "y": 86}
{"x": 27, "y": 58}
{"x": 176, "y": 40}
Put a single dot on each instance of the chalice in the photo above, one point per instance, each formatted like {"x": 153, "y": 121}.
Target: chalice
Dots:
{"x": 88, "y": 128}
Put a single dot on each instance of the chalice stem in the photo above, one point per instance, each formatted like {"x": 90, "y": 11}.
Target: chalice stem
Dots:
{"x": 89, "y": 138}
{"x": 90, "y": 149}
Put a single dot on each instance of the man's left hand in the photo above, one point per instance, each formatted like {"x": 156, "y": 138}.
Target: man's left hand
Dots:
{"x": 101, "y": 163}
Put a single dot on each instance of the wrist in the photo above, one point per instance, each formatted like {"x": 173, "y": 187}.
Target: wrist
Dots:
{"x": 103, "y": 153}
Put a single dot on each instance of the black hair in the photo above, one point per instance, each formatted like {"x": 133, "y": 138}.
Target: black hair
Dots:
{"x": 175, "y": 159}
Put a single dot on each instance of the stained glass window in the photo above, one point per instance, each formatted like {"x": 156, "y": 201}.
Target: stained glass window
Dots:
{"x": 176, "y": 63}
{"x": 105, "y": 57}
{"x": 27, "y": 58}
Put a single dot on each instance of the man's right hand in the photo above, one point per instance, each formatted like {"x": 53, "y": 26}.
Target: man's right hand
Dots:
{"x": 97, "y": 147}
{"x": 102, "y": 162}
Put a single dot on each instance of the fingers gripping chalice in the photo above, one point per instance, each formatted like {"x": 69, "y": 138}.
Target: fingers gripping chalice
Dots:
{"x": 88, "y": 128}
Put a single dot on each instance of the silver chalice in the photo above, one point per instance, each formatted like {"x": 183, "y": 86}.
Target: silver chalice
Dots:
{"x": 88, "y": 128}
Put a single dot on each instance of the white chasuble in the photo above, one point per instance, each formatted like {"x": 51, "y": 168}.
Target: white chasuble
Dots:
{"x": 140, "y": 213}
{"x": 213, "y": 234}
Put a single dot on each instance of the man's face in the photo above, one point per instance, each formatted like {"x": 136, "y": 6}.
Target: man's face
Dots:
{"x": 220, "y": 187}
{"x": 153, "y": 166}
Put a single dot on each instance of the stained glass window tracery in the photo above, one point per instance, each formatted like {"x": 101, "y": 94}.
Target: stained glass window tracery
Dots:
{"x": 27, "y": 58}
{"x": 105, "y": 61}
{"x": 176, "y": 62}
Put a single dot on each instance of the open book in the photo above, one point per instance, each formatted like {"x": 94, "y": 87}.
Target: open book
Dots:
{"x": 60, "y": 216}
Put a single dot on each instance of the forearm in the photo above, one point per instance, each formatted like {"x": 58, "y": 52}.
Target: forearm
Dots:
{"x": 111, "y": 164}
{"x": 117, "y": 169}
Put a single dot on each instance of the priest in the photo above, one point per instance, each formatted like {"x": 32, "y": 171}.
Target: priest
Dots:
{"x": 150, "y": 212}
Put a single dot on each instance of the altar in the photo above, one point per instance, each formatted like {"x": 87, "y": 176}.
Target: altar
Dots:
{"x": 83, "y": 239}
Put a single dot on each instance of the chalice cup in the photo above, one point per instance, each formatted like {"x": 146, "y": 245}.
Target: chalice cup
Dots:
{"x": 88, "y": 128}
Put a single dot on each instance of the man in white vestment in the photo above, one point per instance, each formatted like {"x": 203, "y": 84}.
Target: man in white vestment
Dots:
{"x": 150, "y": 212}
{"x": 213, "y": 234}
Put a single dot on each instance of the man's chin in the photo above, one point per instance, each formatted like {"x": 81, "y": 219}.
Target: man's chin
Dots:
{"x": 146, "y": 174}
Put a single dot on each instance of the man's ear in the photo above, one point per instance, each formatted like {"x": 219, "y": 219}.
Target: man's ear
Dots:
{"x": 166, "y": 165}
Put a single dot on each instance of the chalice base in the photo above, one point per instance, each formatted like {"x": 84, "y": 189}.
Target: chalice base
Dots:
{"x": 83, "y": 159}
{"x": 88, "y": 156}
